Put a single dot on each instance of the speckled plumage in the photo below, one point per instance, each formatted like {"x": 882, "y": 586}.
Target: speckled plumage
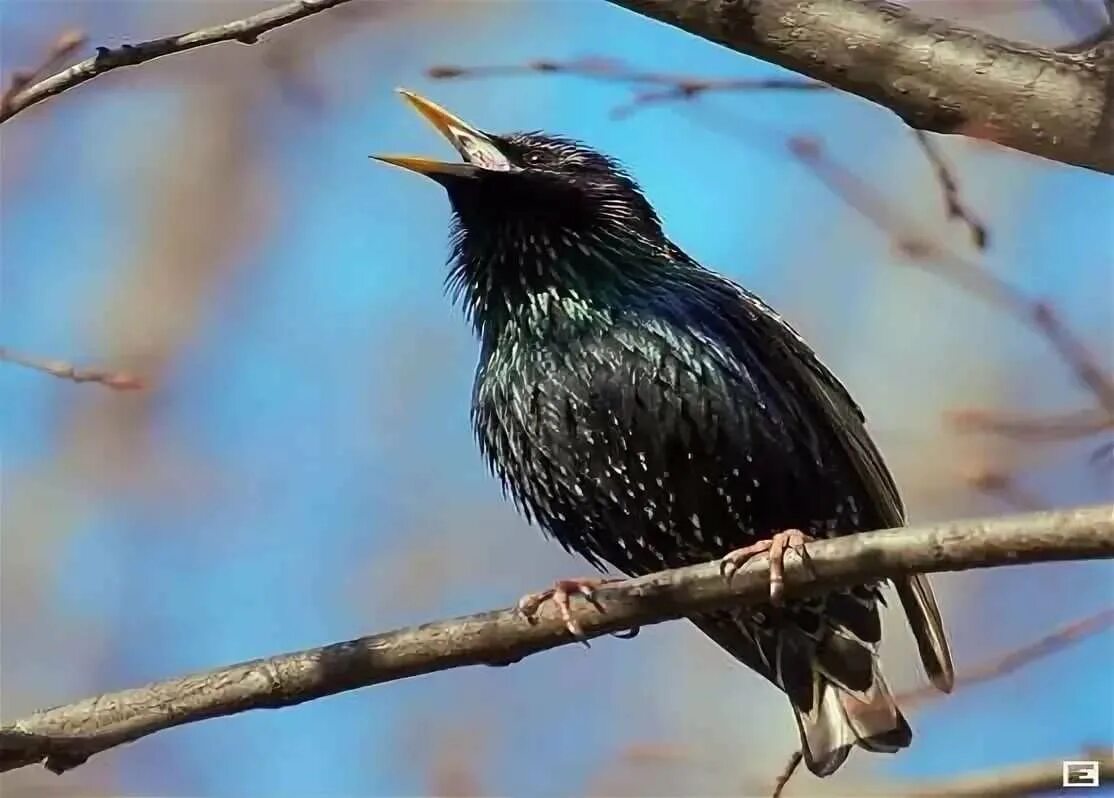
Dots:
{"x": 648, "y": 413}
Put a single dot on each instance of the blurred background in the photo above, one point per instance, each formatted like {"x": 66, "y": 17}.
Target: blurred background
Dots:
{"x": 299, "y": 468}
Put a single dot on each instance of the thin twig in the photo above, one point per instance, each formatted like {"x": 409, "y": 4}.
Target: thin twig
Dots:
{"x": 691, "y": 89}
{"x": 922, "y": 252}
{"x": 1033, "y": 429}
{"x": 117, "y": 380}
{"x": 871, "y": 48}
{"x": 864, "y": 198}
{"x": 60, "y": 50}
{"x": 786, "y": 774}
{"x": 76, "y": 731}
{"x": 968, "y": 275}
{"x": 667, "y": 86}
{"x": 1077, "y": 16}
{"x": 1004, "y": 664}
{"x": 245, "y": 31}
{"x": 1072, "y": 350}
{"x": 1103, "y": 456}
{"x": 1003, "y": 486}
{"x": 949, "y": 186}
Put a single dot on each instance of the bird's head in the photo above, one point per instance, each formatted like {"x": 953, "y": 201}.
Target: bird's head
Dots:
{"x": 528, "y": 177}
{"x": 534, "y": 212}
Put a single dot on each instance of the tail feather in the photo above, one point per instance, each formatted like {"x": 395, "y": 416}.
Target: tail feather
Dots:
{"x": 826, "y": 738}
{"x": 841, "y": 719}
{"x": 928, "y": 630}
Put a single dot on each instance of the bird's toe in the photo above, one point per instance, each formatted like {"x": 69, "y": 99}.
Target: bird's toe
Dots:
{"x": 561, "y": 595}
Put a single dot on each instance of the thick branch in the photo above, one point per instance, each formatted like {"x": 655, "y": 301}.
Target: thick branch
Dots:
{"x": 63, "y": 737}
{"x": 246, "y": 31}
{"x": 935, "y": 75}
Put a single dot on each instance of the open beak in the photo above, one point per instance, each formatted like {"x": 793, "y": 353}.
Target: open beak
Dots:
{"x": 475, "y": 147}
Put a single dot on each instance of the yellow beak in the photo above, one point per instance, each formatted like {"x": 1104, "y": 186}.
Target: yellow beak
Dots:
{"x": 476, "y": 147}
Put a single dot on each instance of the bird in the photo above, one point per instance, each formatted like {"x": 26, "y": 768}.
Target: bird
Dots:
{"x": 648, "y": 413}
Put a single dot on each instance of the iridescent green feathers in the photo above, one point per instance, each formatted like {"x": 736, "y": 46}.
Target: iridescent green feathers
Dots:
{"x": 649, "y": 414}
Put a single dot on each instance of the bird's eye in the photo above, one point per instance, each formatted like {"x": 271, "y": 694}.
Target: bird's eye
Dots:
{"x": 535, "y": 157}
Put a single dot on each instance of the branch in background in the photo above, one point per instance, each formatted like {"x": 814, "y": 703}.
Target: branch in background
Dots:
{"x": 949, "y": 185}
{"x": 1045, "y": 102}
{"x": 1072, "y": 350}
{"x": 1090, "y": 24}
{"x": 1078, "y": 17}
{"x": 65, "y": 736}
{"x": 665, "y": 87}
{"x": 787, "y": 773}
{"x": 1003, "y": 486}
{"x": 968, "y": 275}
{"x": 1064, "y": 637}
{"x": 1033, "y": 429}
{"x": 245, "y": 31}
{"x": 117, "y": 380}
{"x": 671, "y": 87}
{"x": 63, "y": 47}
{"x": 1103, "y": 455}
{"x": 1020, "y": 782}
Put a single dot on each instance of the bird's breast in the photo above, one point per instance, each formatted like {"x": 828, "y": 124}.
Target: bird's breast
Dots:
{"x": 638, "y": 442}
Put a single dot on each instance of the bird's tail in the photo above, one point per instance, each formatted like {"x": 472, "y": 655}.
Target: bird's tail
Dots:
{"x": 844, "y": 715}
{"x": 928, "y": 629}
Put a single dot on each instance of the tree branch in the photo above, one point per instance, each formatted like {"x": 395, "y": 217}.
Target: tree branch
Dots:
{"x": 117, "y": 380}
{"x": 1005, "y": 664}
{"x": 935, "y": 75}
{"x": 60, "y": 50}
{"x": 678, "y": 87}
{"x": 971, "y": 276}
{"x": 63, "y": 737}
{"x": 1033, "y": 429}
{"x": 656, "y": 87}
{"x": 908, "y": 235}
{"x": 786, "y": 774}
{"x": 949, "y": 186}
{"x": 245, "y": 31}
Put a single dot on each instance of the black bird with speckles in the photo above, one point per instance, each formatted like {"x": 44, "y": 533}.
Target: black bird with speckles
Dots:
{"x": 650, "y": 414}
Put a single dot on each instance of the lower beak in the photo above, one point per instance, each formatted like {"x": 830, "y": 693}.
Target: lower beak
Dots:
{"x": 476, "y": 148}
{"x": 429, "y": 166}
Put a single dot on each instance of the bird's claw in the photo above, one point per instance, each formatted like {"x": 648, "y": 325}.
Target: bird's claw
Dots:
{"x": 560, "y": 594}
{"x": 775, "y": 548}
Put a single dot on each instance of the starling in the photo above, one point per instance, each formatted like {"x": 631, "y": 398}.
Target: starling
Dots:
{"x": 649, "y": 413}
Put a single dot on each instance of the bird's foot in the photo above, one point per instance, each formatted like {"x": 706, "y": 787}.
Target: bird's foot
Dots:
{"x": 774, "y": 548}
{"x": 560, "y": 594}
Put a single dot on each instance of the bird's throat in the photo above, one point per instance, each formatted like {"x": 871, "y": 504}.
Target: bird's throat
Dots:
{"x": 523, "y": 276}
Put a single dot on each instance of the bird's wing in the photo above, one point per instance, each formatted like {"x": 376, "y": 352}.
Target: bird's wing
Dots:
{"x": 771, "y": 337}
{"x": 849, "y": 426}
{"x": 847, "y": 420}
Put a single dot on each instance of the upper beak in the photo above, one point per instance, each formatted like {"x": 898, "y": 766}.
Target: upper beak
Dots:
{"x": 475, "y": 146}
